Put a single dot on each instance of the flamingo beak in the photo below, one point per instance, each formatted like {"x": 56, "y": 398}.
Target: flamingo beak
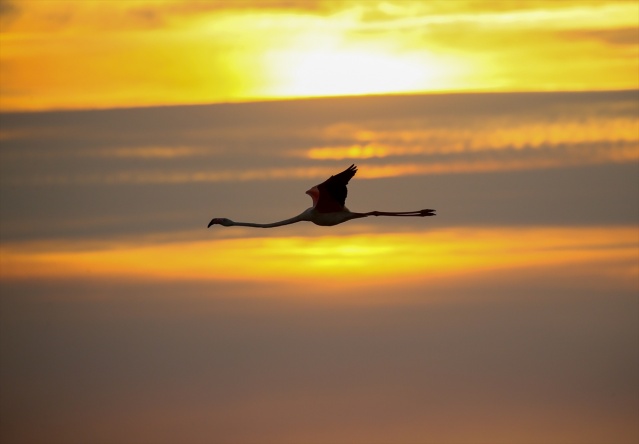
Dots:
{"x": 213, "y": 222}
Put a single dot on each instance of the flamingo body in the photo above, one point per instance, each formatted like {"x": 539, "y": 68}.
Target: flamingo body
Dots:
{"x": 328, "y": 219}
{"x": 328, "y": 207}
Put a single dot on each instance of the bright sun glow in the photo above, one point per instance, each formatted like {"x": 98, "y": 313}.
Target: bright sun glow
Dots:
{"x": 338, "y": 71}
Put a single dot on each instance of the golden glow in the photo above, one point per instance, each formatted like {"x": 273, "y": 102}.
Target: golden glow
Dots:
{"x": 614, "y": 154}
{"x": 617, "y": 138}
{"x": 353, "y": 152}
{"x": 346, "y": 259}
{"x": 567, "y": 137}
{"x": 96, "y": 54}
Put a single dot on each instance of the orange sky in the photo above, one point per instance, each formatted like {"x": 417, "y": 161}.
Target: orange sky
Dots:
{"x": 96, "y": 54}
{"x": 508, "y": 318}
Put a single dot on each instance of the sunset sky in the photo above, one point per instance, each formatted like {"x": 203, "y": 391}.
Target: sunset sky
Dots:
{"x": 511, "y": 317}
{"x": 98, "y": 54}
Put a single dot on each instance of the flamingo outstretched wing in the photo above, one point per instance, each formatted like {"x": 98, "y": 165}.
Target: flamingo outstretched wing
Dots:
{"x": 333, "y": 191}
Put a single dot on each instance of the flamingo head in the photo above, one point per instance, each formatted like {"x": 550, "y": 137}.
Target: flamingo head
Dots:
{"x": 314, "y": 193}
{"x": 221, "y": 221}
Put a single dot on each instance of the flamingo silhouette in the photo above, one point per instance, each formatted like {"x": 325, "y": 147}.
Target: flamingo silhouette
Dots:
{"x": 328, "y": 206}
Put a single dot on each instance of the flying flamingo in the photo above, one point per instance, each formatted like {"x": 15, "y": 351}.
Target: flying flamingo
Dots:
{"x": 328, "y": 206}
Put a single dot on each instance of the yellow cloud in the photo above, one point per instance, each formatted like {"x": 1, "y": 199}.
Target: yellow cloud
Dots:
{"x": 616, "y": 138}
{"x": 96, "y": 54}
{"x": 347, "y": 259}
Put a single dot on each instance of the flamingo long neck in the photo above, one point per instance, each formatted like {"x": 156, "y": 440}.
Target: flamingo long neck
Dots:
{"x": 292, "y": 220}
